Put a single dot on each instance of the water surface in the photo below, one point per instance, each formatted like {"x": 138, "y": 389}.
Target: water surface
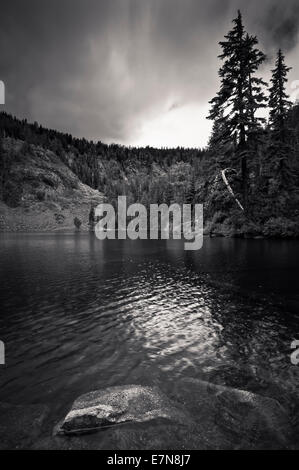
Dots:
{"x": 79, "y": 314}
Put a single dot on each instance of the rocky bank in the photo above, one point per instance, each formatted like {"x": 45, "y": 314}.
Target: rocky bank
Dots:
{"x": 40, "y": 192}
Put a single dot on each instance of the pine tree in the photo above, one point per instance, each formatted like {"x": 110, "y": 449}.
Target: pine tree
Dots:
{"x": 190, "y": 192}
{"x": 280, "y": 149}
{"x": 240, "y": 94}
{"x": 219, "y": 150}
{"x": 77, "y": 223}
{"x": 278, "y": 100}
{"x": 91, "y": 218}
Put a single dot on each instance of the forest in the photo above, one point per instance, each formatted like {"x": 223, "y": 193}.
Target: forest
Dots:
{"x": 247, "y": 177}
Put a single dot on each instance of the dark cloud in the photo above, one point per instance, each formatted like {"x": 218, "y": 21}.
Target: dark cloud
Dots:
{"x": 280, "y": 25}
{"x": 102, "y": 68}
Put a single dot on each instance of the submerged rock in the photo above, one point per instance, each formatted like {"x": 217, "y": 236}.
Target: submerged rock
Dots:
{"x": 229, "y": 418}
{"x": 197, "y": 415}
{"x": 117, "y": 405}
{"x": 20, "y": 425}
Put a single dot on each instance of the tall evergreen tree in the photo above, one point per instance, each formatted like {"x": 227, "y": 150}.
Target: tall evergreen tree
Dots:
{"x": 241, "y": 93}
{"x": 280, "y": 149}
{"x": 278, "y": 100}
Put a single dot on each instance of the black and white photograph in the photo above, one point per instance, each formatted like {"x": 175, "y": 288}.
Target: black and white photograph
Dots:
{"x": 149, "y": 228}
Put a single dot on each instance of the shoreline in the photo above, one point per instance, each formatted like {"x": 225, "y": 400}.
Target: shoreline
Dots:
{"x": 85, "y": 231}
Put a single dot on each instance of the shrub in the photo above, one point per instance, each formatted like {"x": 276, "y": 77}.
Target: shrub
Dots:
{"x": 281, "y": 227}
{"x": 77, "y": 223}
{"x": 12, "y": 193}
{"x": 40, "y": 195}
{"x": 250, "y": 228}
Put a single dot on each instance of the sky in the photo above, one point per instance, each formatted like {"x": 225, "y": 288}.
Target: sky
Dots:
{"x": 135, "y": 72}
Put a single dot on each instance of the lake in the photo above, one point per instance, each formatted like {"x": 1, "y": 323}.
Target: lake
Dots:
{"x": 78, "y": 314}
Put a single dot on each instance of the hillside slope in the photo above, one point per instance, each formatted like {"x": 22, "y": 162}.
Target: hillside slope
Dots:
{"x": 44, "y": 173}
{"x": 39, "y": 192}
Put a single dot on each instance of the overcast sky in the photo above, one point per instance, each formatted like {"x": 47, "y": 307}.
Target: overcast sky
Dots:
{"x": 137, "y": 72}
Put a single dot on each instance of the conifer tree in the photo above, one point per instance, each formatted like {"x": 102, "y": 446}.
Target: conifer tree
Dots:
{"x": 219, "y": 151}
{"x": 241, "y": 93}
{"x": 278, "y": 100}
{"x": 91, "y": 218}
{"x": 280, "y": 149}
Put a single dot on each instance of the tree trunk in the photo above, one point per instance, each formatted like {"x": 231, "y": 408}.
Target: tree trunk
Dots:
{"x": 243, "y": 156}
{"x": 230, "y": 189}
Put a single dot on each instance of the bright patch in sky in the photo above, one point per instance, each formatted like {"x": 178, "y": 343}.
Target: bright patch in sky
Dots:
{"x": 182, "y": 126}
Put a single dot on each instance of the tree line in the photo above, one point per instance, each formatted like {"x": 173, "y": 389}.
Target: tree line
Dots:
{"x": 259, "y": 155}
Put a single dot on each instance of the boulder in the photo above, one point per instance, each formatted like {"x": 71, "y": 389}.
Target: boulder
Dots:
{"x": 195, "y": 415}
{"x": 118, "y": 405}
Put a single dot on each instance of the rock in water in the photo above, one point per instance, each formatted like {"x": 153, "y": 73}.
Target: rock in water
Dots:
{"x": 197, "y": 415}
{"x": 20, "y": 425}
{"x": 229, "y": 418}
{"x": 116, "y": 405}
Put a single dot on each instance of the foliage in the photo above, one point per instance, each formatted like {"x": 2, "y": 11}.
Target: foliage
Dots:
{"x": 240, "y": 96}
{"x": 77, "y": 223}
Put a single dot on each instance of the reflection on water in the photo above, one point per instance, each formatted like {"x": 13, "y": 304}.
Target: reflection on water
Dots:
{"x": 79, "y": 314}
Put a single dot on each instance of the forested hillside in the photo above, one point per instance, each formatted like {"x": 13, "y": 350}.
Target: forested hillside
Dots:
{"x": 146, "y": 175}
{"x": 151, "y": 175}
{"x": 38, "y": 192}
{"x": 247, "y": 177}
